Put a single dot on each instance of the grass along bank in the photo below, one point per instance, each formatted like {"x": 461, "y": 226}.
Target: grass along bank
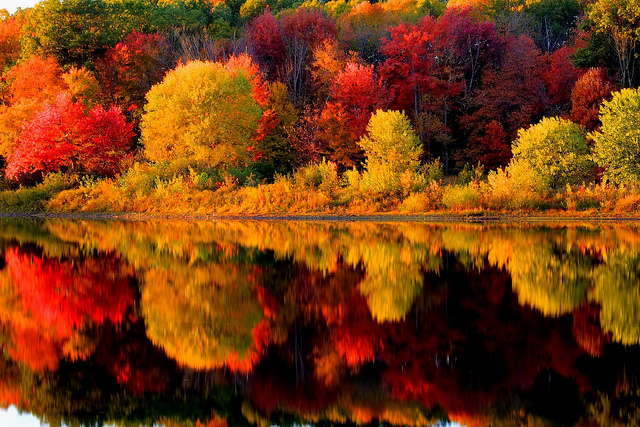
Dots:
{"x": 318, "y": 189}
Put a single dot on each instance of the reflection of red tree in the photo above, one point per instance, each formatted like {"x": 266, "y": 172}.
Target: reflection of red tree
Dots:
{"x": 69, "y": 294}
{"x": 35, "y": 349}
{"x": 587, "y": 330}
{"x": 61, "y": 298}
{"x": 356, "y": 336}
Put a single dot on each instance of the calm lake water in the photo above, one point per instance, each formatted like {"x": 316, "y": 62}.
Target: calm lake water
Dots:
{"x": 267, "y": 322}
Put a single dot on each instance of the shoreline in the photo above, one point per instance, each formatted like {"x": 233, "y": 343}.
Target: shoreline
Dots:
{"x": 323, "y": 217}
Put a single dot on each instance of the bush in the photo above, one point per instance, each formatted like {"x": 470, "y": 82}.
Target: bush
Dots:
{"x": 462, "y": 197}
{"x": 552, "y": 153}
{"x": 616, "y": 145}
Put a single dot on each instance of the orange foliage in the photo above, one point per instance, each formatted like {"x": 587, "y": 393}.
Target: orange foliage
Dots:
{"x": 35, "y": 349}
{"x": 37, "y": 78}
{"x": 589, "y": 92}
{"x": 9, "y": 39}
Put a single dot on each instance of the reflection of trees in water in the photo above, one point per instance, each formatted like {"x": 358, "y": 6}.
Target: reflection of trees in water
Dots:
{"x": 400, "y": 323}
{"x": 205, "y": 316}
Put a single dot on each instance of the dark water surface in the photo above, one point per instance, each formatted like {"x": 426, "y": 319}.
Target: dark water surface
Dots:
{"x": 257, "y": 322}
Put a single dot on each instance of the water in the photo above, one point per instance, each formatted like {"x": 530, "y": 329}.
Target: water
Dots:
{"x": 267, "y": 322}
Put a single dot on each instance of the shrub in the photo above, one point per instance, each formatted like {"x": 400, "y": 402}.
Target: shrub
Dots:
{"x": 553, "y": 153}
{"x": 462, "y": 197}
{"x": 616, "y": 145}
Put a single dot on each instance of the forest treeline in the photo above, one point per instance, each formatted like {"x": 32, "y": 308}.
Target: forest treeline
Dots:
{"x": 270, "y": 106}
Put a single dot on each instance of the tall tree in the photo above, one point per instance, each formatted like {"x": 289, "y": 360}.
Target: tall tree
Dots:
{"x": 355, "y": 94}
{"x": 204, "y": 115}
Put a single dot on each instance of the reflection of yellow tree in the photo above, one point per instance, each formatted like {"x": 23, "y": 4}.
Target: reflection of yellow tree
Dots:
{"x": 617, "y": 290}
{"x": 554, "y": 282}
{"x": 392, "y": 282}
{"x": 204, "y": 317}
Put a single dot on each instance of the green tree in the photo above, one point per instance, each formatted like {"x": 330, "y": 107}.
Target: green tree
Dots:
{"x": 617, "y": 144}
{"x": 620, "y": 20}
{"x": 203, "y": 115}
{"x": 556, "y": 149}
{"x": 392, "y": 148}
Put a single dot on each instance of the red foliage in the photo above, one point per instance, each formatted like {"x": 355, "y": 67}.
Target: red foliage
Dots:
{"x": 306, "y": 28}
{"x": 511, "y": 97}
{"x": 588, "y": 94}
{"x": 560, "y": 76}
{"x": 129, "y": 69}
{"x": 284, "y": 46}
{"x": 587, "y": 330}
{"x": 35, "y": 349}
{"x": 70, "y": 294}
{"x": 355, "y": 94}
{"x": 64, "y": 137}
{"x": 266, "y": 42}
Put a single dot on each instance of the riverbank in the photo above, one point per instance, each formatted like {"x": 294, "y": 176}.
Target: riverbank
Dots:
{"x": 388, "y": 217}
{"x": 483, "y": 199}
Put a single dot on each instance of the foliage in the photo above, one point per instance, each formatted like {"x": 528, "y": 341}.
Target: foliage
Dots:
{"x": 129, "y": 69}
{"x": 589, "y": 92}
{"x": 556, "y": 150}
{"x": 616, "y": 144}
{"x": 392, "y": 148}
{"x": 202, "y": 115}
{"x": 509, "y": 97}
{"x": 354, "y": 95}
{"x": 30, "y": 85}
{"x": 66, "y": 137}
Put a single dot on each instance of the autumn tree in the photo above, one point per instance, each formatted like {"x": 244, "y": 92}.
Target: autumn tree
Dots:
{"x": 275, "y": 151}
{"x": 560, "y": 76}
{"x": 430, "y": 65}
{"x": 587, "y": 96}
{"x": 354, "y": 95}
{"x": 556, "y": 151}
{"x": 204, "y": 115}
{"x": 285, "y": 45}
{"x": 129, "y": 69}
{"x": 10, "y": 29}
{"x": 620, "y": 20}
{"x": 64, "y": 136}
{"x": 392, "y": 149}
{"x": 616, "y": 143}
{"x": 31, "y": 84}
{"x": 510, "y": 97}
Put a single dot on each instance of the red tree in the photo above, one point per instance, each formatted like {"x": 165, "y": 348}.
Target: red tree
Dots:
{"x": 284, "y": 46}
{"x": 64, "y": 137}
{"x": 560, "y": 76}
{"x": 355, "y": 94}
{"x": 129, "y": 69}
{"x": 511, "y": 97}
{"x": 588, "y": 94}
{"x": 266, "y": 42}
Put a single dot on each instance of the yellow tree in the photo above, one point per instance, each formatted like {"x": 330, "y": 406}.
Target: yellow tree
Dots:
{"x": 203, "y": 115}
